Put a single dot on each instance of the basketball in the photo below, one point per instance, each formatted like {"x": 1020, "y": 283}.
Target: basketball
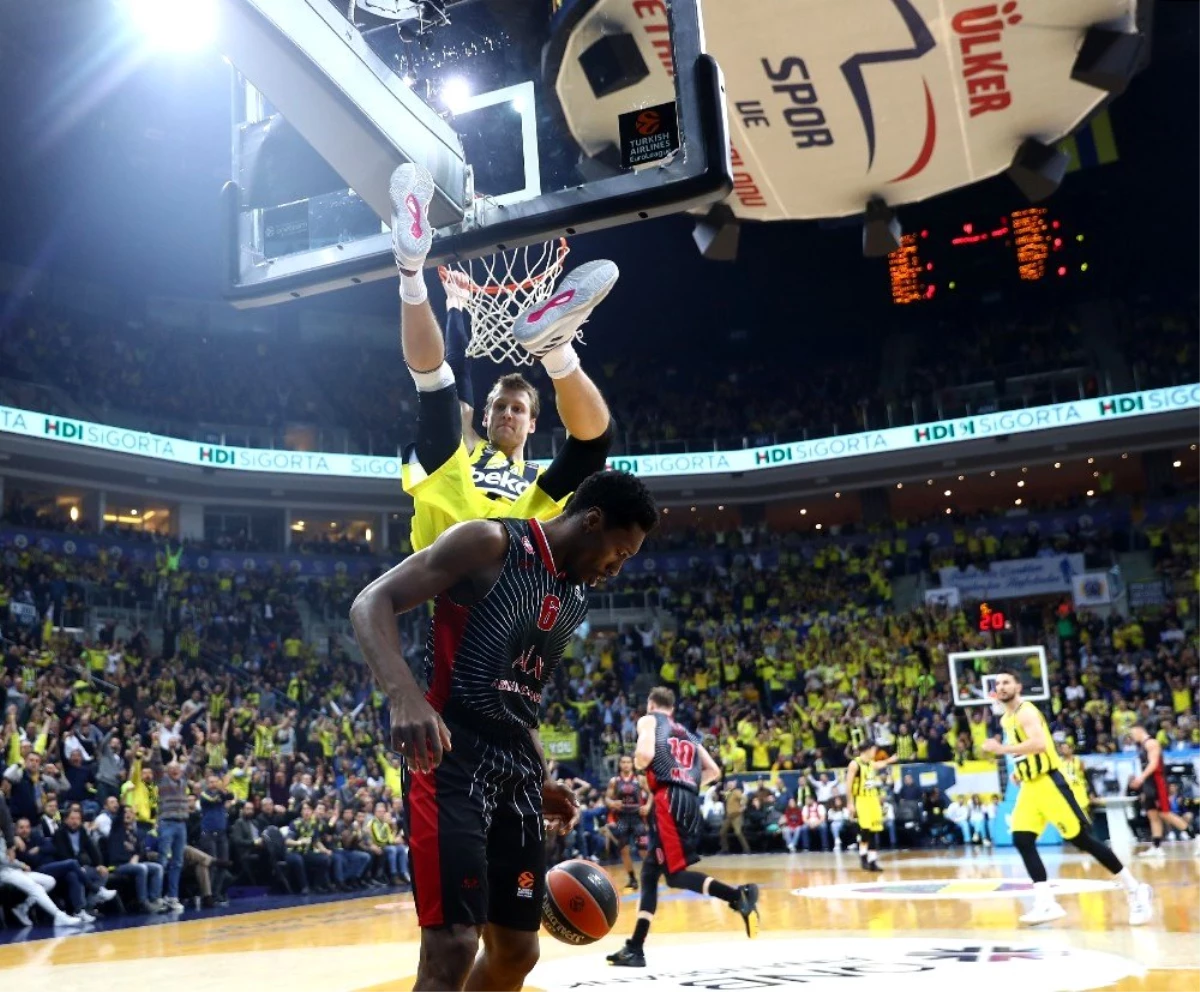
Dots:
{"x": 581, "y": 903}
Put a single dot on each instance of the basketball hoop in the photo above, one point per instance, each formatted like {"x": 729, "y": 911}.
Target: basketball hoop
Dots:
{"x": 496, "y": 288}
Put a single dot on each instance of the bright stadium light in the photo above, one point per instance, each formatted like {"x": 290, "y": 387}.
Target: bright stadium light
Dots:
{"x": 455, "y": 93}
{"x": 174, "y": 25}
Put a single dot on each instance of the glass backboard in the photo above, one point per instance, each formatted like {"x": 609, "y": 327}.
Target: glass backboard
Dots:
{"x": 538, "y": 119}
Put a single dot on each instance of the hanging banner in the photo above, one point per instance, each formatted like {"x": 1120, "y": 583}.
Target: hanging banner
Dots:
{"x": 1021, "y": 577}
{"x": 1091, "y": 589}
{"x": 23, "y": 613}
{"x": 561, "y": 745}
{"x": 943, "y": 597}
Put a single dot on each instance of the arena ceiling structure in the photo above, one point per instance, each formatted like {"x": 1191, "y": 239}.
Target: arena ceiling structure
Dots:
{"x": 604, "y": 113}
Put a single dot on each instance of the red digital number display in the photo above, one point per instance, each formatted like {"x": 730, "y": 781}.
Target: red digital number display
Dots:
{"x": 990, "y": 619}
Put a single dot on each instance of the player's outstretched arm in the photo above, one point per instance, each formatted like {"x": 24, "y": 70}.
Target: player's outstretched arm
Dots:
{"x": 462, "y": 556}
{"x": 458, "y": 338}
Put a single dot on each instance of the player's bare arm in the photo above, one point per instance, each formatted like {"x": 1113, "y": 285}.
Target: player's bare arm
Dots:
{"x": 851, "y": 774}
{"x": 610, "y": 796}
{"x": 464, "y": 559}
{"x": 710, "y": 771}
{"x": 1034, "y": 743}
{"x": 1153, "y": 760}
{"x": 643, "y": 754}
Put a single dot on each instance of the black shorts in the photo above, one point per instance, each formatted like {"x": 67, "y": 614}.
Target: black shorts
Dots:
{"x": 476, "y": 835}
{"x": 675, "y": 826}
{"x": 1155, "y": 795}
{"x": 627, "y": 830}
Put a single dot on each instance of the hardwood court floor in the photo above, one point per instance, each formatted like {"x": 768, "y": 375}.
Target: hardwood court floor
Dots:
{"x": 930, "y": 922}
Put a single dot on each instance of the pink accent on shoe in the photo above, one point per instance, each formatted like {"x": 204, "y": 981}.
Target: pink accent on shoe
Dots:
{"x": 414, "y": 208}
{"x": 559, "y": 300}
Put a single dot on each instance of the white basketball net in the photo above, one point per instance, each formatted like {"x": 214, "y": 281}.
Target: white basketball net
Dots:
{"x": 495, "y": 290}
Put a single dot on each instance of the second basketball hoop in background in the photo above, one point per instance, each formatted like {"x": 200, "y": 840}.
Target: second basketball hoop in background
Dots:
{"x": 495, "y": 289}
{"x": 973, "y": 674}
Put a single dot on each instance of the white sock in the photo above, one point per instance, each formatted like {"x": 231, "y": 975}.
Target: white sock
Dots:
{"x": 1126, "y": 878}
{"x": 560, "y": 362}
{"x": 413, "y": 289}
{"x": 1042, "y": 896}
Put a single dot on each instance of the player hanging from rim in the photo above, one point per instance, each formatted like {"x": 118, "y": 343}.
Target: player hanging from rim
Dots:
{"x": 1046, "y": 797}
{"x": 677, "y": 768}
{"x": 863, "y": 804}
{"x": 451, "y": 473}
{"x": 1151, "y": 783}
{"x": 628, "y": 807}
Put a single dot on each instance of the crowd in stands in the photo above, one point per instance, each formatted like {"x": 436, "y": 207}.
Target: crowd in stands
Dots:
{"x": 294, "y": 392}
{"x": 1161, "y": 343}
{"x": 217, "y": 748}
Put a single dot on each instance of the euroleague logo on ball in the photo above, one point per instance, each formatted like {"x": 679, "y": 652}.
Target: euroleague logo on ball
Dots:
{"x": 648, "y": 122}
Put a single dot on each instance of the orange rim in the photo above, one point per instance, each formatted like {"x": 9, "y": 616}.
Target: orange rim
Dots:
{"x": 513, "y": 287}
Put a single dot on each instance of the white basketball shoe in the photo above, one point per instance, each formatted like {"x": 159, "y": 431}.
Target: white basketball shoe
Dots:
{"x": 542, "y": 328}
{"x": 1141, "y": 905}
{"x": 411, "y": 190}
{"x": 1043, "y": 912}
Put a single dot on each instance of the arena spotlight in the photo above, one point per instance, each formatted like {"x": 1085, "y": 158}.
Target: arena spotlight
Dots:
{"x": 881, "y": 229}
{"x": 456, "y": 91}
{"x": 1037, "y": 169}
{"x": 174, "y": 25}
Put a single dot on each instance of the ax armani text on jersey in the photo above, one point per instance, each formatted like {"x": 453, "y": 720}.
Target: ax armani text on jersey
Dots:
{"x": 492, "y": 659}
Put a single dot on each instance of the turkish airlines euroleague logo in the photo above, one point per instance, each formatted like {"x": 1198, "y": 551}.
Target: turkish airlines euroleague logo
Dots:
{"x": 549, "y": 613}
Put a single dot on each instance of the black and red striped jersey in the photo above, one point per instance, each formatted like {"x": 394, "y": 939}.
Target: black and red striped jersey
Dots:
{"x": 676, "y": 759}
{"x": 493, "y": 658}
{"x": 629, "y": 792}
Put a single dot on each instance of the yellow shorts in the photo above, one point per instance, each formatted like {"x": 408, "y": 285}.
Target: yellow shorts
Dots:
{"x": 448, "y": 496}
{"x": 1048, "y": 799}
{"x": 869, "y": 813}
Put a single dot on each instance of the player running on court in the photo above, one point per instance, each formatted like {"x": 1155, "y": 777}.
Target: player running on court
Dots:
{"x": 628, "y": 807}
{"x": 677, "y": 768}
{"x": 1151, "y": 783}
{"x": 508, "y": 597}
{"x": 451, "y": 473}
{"x": 863, "y": 805}
{"x": 1046, "y": 797}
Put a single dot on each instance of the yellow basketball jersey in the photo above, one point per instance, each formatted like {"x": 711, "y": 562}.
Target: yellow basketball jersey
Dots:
{"x": 864, "y": 781}
{"x": 1030, "y": 766}
{"x": 479, "y": 484}
{"x": 1076, "y": 776}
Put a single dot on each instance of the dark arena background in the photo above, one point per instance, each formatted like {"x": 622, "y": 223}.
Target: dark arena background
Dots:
{"x": 904, "y": 346}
